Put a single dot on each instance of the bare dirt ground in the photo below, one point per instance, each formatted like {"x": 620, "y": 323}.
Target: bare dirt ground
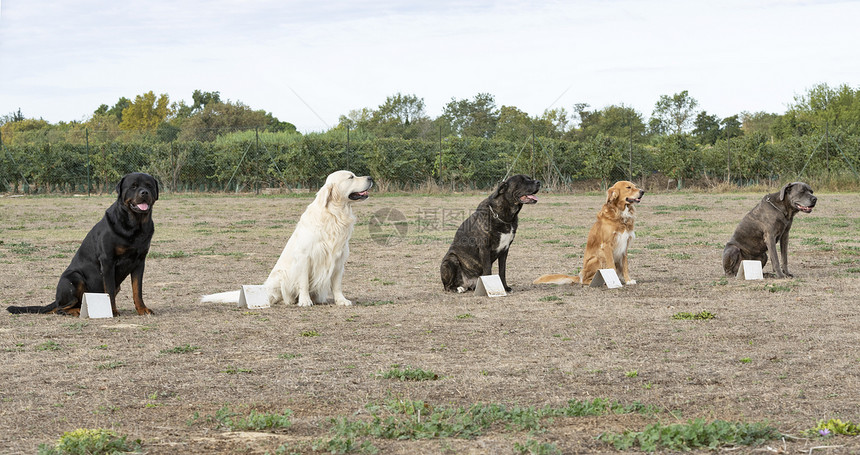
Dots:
{"x": 781, "y": 351}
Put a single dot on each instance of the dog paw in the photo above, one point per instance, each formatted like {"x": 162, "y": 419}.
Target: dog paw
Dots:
{"x": 305, "y": 302}
{"x": 343, "y": 301}
{"x": 631, "y": 282}
{"x": 461, "y": 289}
{"x": 508, "y": 289}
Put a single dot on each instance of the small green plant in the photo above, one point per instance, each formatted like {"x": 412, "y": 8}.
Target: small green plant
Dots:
{"x": 464, "y": 316}
{"x": 170, "y": 255}
{"x": 184, "y": 349}
{"x": 632, "y": 373}
{"x": 226, "y": 418}
{"x": 834, "y": 427}
{"x": 679, "y": 256}
{"x": 48, "y": 346}
{"x": 815, "y": 241}
{"x": 656, "y": 246}
{"x": 377, "y": 303}
{"x": 550, "y": 298}
{"x": 746, "y": 360}
{"x": 409, "y": 374}
{"x": 721, "y": 282}
{"x": 777, "y": 288}
{"x": 310, "y": 333}
{"x": 690, "y": 207}
{"x": 702, "y": 315}
{"x": 111, "y": 365}
{"x": 76, "y": 326}
{"x": 89, "y": 442}
{"x": 23, "y": 248}
{"x": 236, "y": 370}
{"x": 694, "y": 434}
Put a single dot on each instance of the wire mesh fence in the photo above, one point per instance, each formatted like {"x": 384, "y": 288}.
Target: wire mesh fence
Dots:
{"x": 84, "y": 161}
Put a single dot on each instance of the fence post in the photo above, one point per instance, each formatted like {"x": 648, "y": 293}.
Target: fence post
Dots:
{"x": 257, "y": 154}
{"x": 630, "y": 163}
{"x": 440, "y": 155}
{"x": 532, "y": 157}
{"x": 728, "y": 157}
{"x": 87, "y": 136}
{"x": 347, "y": 147}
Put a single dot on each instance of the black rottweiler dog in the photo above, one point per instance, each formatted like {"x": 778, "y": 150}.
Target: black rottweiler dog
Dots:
{"x": 115, "y": 248}
{"x": 486, "y": 236}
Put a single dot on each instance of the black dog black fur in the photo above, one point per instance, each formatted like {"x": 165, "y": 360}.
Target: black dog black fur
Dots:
{"x": 115, "y": 248}
{"x": 486, "y": 236}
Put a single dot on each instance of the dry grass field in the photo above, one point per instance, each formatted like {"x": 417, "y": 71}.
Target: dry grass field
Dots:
{"x": 411, "y": 369}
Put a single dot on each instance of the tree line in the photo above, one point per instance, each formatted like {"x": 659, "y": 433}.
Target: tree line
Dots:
{"x": 213, "y": 144}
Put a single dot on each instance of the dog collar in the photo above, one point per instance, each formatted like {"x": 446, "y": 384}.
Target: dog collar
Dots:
{"x": 777, "y": 208}
{"x": 496, "y": 216}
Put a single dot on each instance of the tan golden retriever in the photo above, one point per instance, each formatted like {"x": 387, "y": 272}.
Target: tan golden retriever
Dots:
{"x": 609, "y": 238}
{"x": 312, "y": 263}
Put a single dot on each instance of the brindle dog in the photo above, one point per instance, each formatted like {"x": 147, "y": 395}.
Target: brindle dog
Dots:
{"x": 486, "y": 236}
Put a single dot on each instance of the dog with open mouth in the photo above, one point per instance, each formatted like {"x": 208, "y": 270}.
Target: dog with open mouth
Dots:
{"x": 609, "y": 238}
{"x": 767, "y": 224}
{"x": 486, "y": 236}
{"x": 311, "y": 266}
{"x": 115, "y": 248}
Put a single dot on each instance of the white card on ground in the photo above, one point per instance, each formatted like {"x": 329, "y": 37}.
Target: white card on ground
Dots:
{"x": 491, "y": 286}
{"x": 750, "y": 270}
{"x": 607, "y": 277}
{"x": 96, "y": 306}
{"x": 253, "y": 297}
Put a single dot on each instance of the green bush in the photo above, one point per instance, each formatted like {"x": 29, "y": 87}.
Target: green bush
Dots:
{"x": 90, "y": 442}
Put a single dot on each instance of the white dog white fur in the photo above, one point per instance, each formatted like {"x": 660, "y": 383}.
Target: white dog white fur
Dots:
{"x": 311, "y": 266}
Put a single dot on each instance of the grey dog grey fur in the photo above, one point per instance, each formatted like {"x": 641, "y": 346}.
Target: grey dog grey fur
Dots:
{"x": 767, "y": 224}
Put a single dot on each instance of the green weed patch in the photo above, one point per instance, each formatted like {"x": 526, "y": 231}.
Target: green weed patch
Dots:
{"x": 695, "y": 434}
{"x": 87, "y": 442}
{"x": 700, "y": 316}
{"x": 408, "y": 374}
{"x": 226, "y": 418}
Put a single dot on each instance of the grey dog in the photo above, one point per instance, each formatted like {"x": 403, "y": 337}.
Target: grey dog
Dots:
{"x": 766, "y": 225}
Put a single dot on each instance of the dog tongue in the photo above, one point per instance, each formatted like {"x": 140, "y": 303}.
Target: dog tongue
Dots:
{"x": 532, "y": 197}
{"x": 143, "y": 206}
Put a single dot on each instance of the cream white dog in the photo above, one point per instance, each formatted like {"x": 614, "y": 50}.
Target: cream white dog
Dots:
{"x": 311, "y": 266}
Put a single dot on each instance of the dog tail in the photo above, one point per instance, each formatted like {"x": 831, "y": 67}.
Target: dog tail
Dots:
{"x": 556, "y": 278}
{"x": 222, "y": 297}
{"x": 33, "y": 309}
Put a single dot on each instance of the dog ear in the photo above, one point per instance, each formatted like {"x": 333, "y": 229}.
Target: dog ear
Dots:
{"x": 785, "y": 188}
{"x": 611, "y": 195}
{"x": 119, "y": 186}
{"x": 500, "y": 189}
{"x": 324, "y": 195}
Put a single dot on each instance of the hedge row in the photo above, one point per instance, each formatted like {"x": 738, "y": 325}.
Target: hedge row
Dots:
{"x": 303, "y": 162}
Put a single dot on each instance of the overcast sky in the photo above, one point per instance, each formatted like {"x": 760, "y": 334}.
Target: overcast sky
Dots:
{"x": 310, "y": 61}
